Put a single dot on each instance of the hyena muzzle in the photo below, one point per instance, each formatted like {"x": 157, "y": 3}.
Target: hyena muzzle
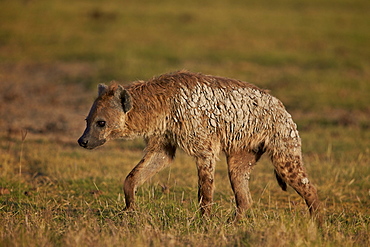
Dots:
{"x": 203, "y": 115}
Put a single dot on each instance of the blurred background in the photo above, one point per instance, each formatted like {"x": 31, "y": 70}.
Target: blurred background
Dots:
{"x": 312, "y": 54}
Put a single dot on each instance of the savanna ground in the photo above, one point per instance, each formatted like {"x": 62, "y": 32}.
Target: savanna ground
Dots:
{"x": 314, "y": 55}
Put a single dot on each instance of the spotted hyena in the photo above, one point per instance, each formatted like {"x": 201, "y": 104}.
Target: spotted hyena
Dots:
{"x": 203, "y": 115}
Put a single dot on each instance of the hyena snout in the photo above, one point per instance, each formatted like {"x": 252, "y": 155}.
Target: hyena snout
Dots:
{"x": 83, "y": 142}
{"x": 90, "y": 143}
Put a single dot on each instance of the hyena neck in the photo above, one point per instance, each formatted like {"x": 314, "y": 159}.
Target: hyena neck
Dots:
{"x": 148, "y": 115}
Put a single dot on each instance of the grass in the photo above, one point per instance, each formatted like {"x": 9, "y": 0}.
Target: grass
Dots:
{"x": 73, "y": 197}
{"x": 313, "y": 55}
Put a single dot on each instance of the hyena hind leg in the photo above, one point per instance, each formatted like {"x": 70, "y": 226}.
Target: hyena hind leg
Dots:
{"x": 240, "y": 166}
{"x": 294, "y": 174}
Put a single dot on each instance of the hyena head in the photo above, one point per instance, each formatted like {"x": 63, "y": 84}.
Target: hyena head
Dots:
{"x": 107, "y": 116}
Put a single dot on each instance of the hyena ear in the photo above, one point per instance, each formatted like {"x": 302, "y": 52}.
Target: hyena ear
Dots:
{"x": 125, "y": 98}
{"x": 102, "y": 88}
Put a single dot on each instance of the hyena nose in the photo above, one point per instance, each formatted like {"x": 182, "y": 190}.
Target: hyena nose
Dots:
{"x": 83, "y": 142}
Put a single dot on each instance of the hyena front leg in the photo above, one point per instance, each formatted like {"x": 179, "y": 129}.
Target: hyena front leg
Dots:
{"x": 206, "y": 171}
{"x": 157, "y": 157}
{"x": 240, "y": 166}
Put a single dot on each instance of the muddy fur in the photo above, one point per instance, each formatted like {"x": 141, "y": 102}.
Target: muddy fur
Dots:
{"x": 203, "y": 115}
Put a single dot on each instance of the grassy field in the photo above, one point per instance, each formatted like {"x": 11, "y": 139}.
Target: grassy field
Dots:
{"x": 313, "y": 55}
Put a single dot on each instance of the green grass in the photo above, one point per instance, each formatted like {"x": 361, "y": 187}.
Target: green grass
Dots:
{"x": 56, "y": 200}
{"x": 313, "y": 55}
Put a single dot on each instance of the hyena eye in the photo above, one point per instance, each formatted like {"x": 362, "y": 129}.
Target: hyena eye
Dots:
{"x": 101, "y": 123}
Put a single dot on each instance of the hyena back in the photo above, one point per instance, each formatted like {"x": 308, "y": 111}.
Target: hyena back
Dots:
{"x": 203, "y": 115}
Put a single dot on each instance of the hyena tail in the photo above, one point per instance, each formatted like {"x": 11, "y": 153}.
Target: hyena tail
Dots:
{"x": 280, "y": 181}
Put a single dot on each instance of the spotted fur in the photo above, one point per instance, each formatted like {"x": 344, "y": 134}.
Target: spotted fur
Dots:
{"x": 203, "y": 115}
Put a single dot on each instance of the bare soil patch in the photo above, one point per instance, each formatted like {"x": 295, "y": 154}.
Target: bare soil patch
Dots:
{"x": 44, "y": 99}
